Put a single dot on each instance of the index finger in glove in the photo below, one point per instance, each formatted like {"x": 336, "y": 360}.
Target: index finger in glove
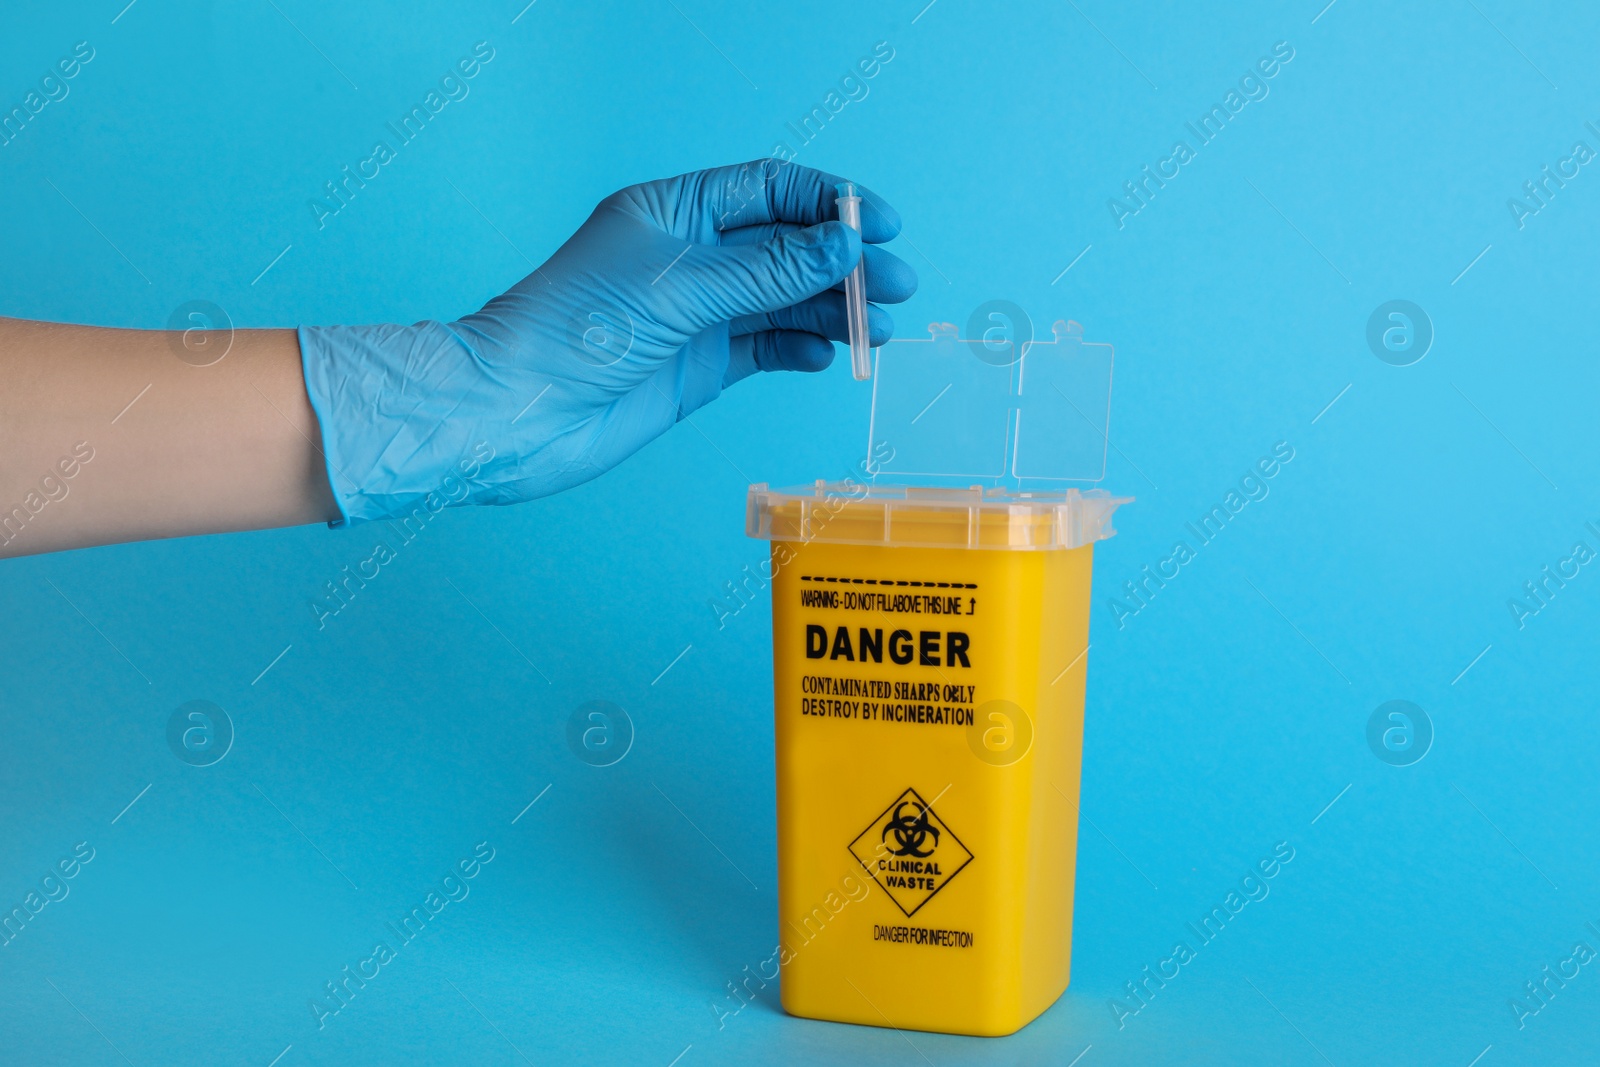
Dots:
{"x": 773, "y": 190}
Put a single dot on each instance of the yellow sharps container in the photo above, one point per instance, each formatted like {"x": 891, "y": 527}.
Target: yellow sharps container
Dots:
{"x": 929, "y": 656}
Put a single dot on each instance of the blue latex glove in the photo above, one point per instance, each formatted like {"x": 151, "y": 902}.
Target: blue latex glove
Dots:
{"x": 670, "y": 292}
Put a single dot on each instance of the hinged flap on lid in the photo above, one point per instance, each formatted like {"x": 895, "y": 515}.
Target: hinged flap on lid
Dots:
{"x": 1000, "y": 407}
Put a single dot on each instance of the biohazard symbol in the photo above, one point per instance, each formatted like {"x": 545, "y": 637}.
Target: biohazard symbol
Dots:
{"x": 910, "y": 832}
{"x": 910, "y": 852}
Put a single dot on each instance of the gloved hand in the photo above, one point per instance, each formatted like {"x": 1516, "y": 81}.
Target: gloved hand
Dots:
{"x": 670, "y": 292}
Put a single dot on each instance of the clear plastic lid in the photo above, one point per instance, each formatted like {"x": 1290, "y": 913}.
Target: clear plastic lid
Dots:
{"x": 996, "y": 406}
{"x": 1021, "y": 417}
{"x": 852, "y": 513}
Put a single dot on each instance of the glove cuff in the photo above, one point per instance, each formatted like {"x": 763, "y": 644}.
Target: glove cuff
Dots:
{"x": 386, "y": 399}
{"x": 311, "y": 356}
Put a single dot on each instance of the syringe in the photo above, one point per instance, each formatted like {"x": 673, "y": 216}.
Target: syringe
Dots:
{"x": 855, "y": 288}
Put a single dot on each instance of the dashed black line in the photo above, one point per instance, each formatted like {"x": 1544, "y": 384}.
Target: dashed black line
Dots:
{"x": 889, "y": 581}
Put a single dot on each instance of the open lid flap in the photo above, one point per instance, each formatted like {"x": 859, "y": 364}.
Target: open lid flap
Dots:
{"x": 1002, "y": 407}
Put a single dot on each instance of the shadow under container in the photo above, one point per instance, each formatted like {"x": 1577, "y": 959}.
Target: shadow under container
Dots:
{"x": 930, "y": 648}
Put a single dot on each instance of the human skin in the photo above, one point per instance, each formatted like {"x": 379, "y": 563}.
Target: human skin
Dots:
{"x": 203, "y": 449}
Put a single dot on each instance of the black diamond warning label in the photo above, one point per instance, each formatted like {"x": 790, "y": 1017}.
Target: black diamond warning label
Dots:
{"x": 910, "y": 852}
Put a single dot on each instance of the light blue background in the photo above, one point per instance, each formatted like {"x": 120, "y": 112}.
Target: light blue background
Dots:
{"x": 1221, "y": 720}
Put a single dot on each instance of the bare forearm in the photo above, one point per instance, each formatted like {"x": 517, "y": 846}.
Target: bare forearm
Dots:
{"x": 172, "y": 448}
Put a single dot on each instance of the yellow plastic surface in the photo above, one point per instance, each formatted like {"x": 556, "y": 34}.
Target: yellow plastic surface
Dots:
{"x": 977, "y": 939}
